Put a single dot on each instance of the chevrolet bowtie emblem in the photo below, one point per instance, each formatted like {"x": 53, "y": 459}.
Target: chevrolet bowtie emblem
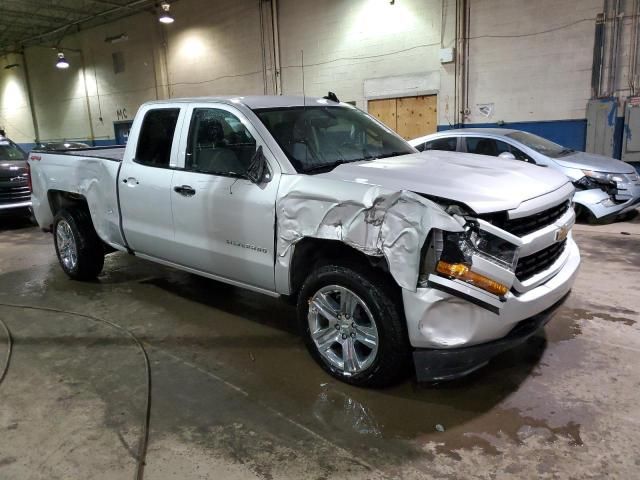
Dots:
{"x": 562, "y": 233}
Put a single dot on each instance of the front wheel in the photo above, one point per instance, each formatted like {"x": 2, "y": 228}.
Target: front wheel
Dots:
{"x": 353, "y": 325}
{"x": 79, "y": 249}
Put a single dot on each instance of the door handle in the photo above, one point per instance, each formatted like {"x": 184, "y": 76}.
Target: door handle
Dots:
{"x": 185, "y": 190}
{"x": 130, "y": 181}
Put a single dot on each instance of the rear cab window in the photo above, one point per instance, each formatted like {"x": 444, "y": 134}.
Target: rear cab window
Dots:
{"x": 156, "y": 137}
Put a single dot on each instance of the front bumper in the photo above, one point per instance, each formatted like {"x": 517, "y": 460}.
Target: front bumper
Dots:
{"x": 11, "y": 208}
{"x": 447, "y": 364}
{"x": 602, "y": 205}
{"x": 437, "y": 320}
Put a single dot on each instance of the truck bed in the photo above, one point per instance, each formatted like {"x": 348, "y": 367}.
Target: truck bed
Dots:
{"x": 91, "y": 173}
{"x": 115, "y": 152}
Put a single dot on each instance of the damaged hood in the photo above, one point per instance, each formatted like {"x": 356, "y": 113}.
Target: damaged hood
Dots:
{"x": 485, "y": 184}
{"x": 592, "y": 161}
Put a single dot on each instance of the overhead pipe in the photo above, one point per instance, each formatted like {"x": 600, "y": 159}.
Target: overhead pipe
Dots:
{"x": 276, "y": 47}
{"x": 613, "y": 74}
{"x": 263, "y": 52}
{"x": 32, "y": 108}
{"x": 633, "y": 55}
{"x": 598, "y": 52}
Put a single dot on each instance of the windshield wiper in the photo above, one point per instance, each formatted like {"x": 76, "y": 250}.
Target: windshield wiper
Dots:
{"x": 392, "y": 154}
{"x": 328, "y": 166}
{"x": 566, "y": 151}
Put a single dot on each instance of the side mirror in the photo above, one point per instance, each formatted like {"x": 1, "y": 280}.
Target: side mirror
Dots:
{"x": 258, "y": 171}
{"x": 507, "y": 156}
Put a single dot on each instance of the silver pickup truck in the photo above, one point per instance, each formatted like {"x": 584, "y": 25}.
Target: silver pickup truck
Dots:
{"x": 391, "y": 256}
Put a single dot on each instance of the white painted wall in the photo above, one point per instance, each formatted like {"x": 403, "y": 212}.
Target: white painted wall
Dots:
{"x": 356, "y": 48}
{"x": 15, "y": 116}
{"x": 532, "y": 77}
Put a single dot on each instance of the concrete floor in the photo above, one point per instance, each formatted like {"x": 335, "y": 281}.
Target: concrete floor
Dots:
{"x": 236, "y": 396}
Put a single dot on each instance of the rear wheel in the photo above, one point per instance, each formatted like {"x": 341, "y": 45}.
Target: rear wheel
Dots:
{"x": 353, "y": 326}
{"x": 79, "y": 249}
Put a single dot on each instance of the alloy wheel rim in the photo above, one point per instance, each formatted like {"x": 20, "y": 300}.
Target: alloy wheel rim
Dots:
{"x": 67, "y": 248}
{"x": 343, "y": 329}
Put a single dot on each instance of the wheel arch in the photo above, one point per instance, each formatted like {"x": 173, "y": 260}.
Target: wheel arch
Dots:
{"x": 311, "y": 252}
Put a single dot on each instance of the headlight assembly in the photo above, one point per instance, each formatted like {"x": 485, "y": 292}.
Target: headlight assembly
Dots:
{"x": 604, "y": 177}
{"x": 451, "y": 255}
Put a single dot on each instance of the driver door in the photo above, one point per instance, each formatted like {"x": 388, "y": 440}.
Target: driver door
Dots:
{"x": 224, "y": 224}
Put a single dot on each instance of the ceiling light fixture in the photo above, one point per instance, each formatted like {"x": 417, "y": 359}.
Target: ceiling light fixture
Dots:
{"x": 165, "y": 16}
{"x": 62, "y": 62}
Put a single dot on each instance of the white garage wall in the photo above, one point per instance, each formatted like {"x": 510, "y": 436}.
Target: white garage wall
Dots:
{"x": 356, "y": 48}
{"x": 15, "y": 116}
{"x": 527, "y": 76}
{"x": 347, "y": 42}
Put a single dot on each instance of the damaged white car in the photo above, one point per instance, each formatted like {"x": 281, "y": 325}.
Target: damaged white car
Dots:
{"x": 392, "y": 256}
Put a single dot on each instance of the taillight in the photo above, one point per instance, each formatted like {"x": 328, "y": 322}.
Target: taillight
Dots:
{"x": 29, "y": 177}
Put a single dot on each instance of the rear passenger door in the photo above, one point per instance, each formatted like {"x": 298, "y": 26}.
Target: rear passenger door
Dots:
{"x": 224, "y": 223}
{"x": 144, "y": 183}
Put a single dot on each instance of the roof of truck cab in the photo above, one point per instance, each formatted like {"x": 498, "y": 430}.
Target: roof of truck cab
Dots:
{"x": 256, "y": 101}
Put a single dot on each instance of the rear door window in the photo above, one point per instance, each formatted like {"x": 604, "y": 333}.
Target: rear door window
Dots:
{"x": 156, "y": 137}
{"x": 486, "y": 146}
{"x": 447, "y": 144}
{"x": 493, "y": 148}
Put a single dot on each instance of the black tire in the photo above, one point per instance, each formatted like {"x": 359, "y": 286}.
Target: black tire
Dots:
{"x": 89, "y": 247}
{"x": 592, "y": 220}
{"x": 393, "y": 357}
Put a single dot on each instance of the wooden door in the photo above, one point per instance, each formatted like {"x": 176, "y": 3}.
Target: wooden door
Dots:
{"x": 416, "y": 116}
{"x": 410, "y": 117}
{"x": 384, "y": 110}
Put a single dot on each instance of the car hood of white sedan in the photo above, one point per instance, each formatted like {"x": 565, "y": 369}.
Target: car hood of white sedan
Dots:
{"x": 594, "y": 162}
{"x": 485, "y": 184}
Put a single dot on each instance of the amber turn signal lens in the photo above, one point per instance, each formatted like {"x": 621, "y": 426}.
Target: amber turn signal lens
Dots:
{"x": 462, "y": 272}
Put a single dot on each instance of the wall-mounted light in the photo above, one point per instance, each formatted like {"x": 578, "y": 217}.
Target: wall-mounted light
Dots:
{"x": 165, "y": 16}
{"x": 62, "y": 62}
{"x": 11, "y": 65}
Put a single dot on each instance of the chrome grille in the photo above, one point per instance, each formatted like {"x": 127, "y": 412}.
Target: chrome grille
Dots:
{"x": 14, "y": 194}
{"x": 540, "y": 261}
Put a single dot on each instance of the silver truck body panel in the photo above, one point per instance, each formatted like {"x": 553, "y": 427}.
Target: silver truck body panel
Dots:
{"x": 383, "y": 208}
{"x": 491, "y": 186}
{"x": 373, "y": 220}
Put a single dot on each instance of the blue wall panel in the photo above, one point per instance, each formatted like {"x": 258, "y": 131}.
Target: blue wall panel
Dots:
{"x": 569, "y": 133}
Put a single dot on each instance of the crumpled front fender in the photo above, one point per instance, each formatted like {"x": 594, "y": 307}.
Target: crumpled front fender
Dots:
{"x": 374, "y": 220}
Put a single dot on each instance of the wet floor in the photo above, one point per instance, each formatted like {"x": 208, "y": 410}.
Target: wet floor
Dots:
{"x": 235, "y": 395}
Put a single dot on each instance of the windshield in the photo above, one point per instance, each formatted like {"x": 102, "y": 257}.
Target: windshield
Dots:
{"x": 540, "y": 145}
{"x": 318, "y": 139}
{"x": 10, "y": 151}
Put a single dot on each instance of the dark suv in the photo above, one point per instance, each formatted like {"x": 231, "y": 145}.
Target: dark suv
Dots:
{"x": 15, "y": 187}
